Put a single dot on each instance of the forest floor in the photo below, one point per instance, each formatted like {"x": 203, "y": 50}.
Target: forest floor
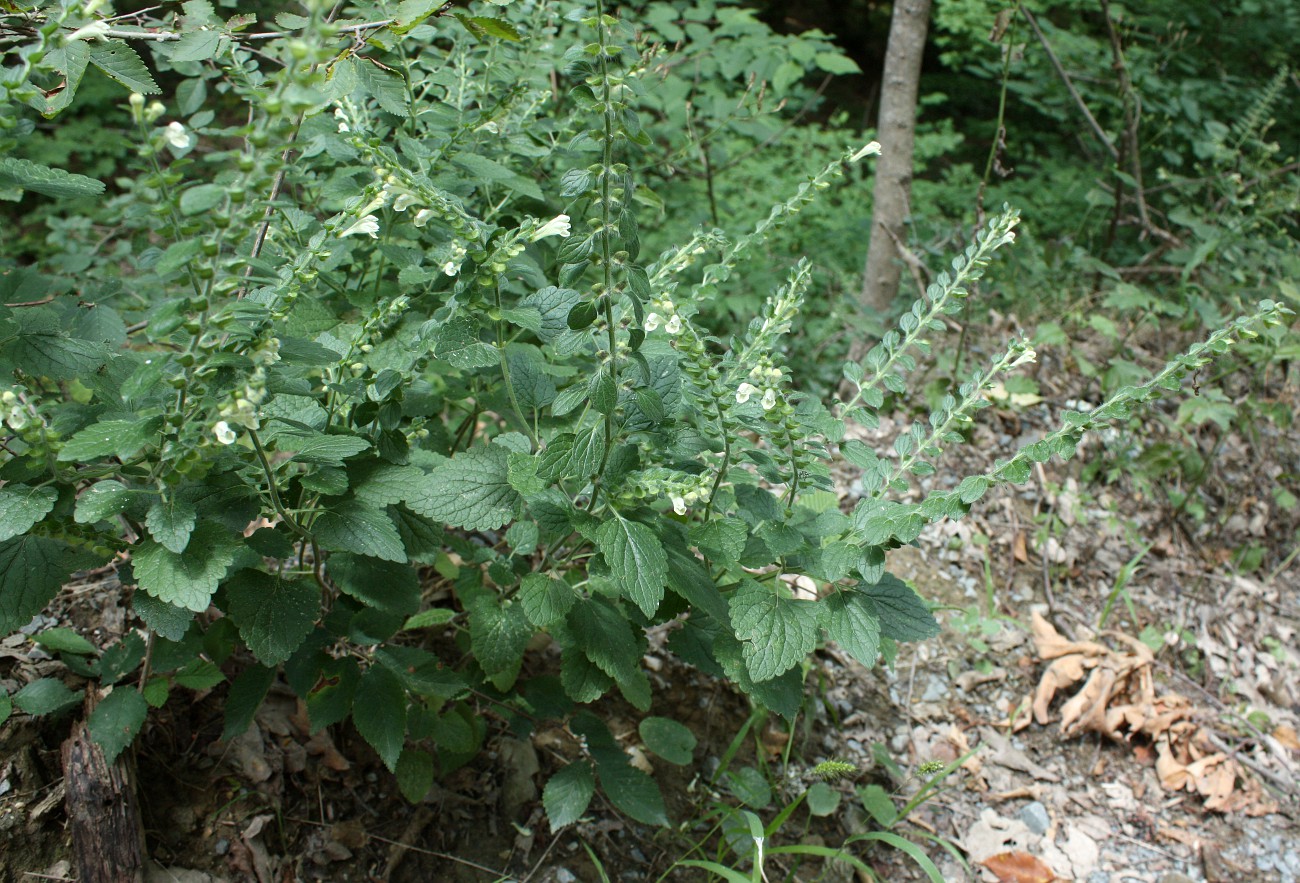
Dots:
{"x": 1159, "y": 748}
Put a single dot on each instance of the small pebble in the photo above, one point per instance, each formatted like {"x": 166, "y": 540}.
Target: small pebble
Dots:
{"x": 564, "y": 875}
{"x": 222, "y": 846}
{"x": 1035, "y": 817}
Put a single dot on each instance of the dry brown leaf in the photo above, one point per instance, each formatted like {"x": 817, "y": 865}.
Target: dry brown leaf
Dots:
{"x": 1063, "y": 672}
{"x": 1286, "y": 736}
{"x": 1019, "y": 867}
{"x": 1019, "y": 551}
{"x": 1050, "y": 644}
{"x": 1086, "y": 709}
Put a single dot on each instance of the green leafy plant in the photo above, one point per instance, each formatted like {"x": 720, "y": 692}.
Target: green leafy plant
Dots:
{"x": 347, "y": 328}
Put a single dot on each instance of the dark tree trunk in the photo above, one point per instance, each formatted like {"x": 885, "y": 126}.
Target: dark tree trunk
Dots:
{"x": 103, "y": 814}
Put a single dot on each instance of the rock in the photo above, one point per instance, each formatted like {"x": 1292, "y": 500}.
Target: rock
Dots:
{"x": 1035, "y": 817}
{"x": 1175, "y": 877}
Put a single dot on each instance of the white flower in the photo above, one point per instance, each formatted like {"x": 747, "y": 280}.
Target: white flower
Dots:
{"x": 744, "y": 391}
{"x": 872, "y": 148}
{"x": 343, "y": 120}
{"x": 422, "y": 217}
{"x": 652, "y": 321}
{"x": 679, "y": 505}
{"x": 556, "y": 226}
{"x": 223, "y": 432}
{"x": 96, "y": 30}
{"x": 403, "y": 201}
{"x": 769, "y": 400}
{"x": 368, "y": 225}
{"x": 1027, "y": 356}
{"x": 451, "y": 268}
{"x": 177, "y": 136}
{"x": 674, "y": 325}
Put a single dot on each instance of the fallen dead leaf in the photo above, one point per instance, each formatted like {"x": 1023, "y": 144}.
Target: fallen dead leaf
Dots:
{"x": 1286, "y": 737}
{"x": 1019, "y": 867}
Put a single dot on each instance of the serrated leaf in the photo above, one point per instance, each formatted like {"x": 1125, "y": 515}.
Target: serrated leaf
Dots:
{"x": 108, "y": 438}
{"x": 608, "y": 640}
{"x": 546, "y": 599}
{"x": 331, "y": 701}
{"x": 32, "y": 569}
{"x": 43, "y": 348}
{"x": 199, "y": 674}
{"x": 190, "y": 579}
{"x": 62, "y": 640}
{"x": 196, "y": 46}
{"x": 46, "y": 696}
{"x": 246, "y": 695}
{"x": 49, "y": 181}
{"x": 170, "y": 522}
{"x": 116, "y": 720}
{"x": 853, "y": 623}
{"x": 101, "y": 500}
{"x": 567, "y": 794}
{"x": 379, "y": 712}
{"x": 603, "y": 392}
{"x": 499, "y": 635}
{"x": 471, "y": 490}
{"x": 631, "y": 790}
{"x": 382, "y": 484}
{"x": 22, "y": 506}
{"x": 636, "y": 560}
{"x": 778, "y": 632}
{"x": 386, "y": 86}
{"x": 385, "y": 585}
{"x": 482, "y": 26}
{"x": 434, "y": 616}
{"x": 326, "y": 450}
{"x": 168, "y": 620}
{"x": 414, "y": 774}
{"x": 273, "y": 615}
{"x": 349, "y": 526}
{"x": 121, "y": 659}
{"x": 903, "y": 615}
{"x": 672, "y": 741}
{"x": 724, "y": 539}
{"x": 121, "y": 63}
{"x": 582, "y": 680}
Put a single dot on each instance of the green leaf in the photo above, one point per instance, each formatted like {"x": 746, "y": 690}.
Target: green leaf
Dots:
{"x": 201, "y": 46}
{"x": 667, "y": 738}
{"x": 6, "y": 708}
{"x": 28, "y": 175}
{"x": 108, "y": 438}
{"x": 471, "y": 490}
{"x": 582, "y": 680}
{"x": 120, "y": 62}
{"x": 22, "y": 506}
{"x": 630, "y": 790}
{"x": 499, "y": 635}
{"x": 835, "y": 63}
{"x": 349, "y": 526}
{"x": 190, "y": 579}
{"x": 434, "y": 616}
{"x": 457, "y": 343}
{"x": 32, "y": 569}
{"x": 823, "y": 800}
{"x": 720, "y": 539}
{"x": 853, "y": 623}
{"x": 168, "y": 620}
{"x": 568, "y": 793}
{"x": 61, "y": 640}
{"x": 116, "y": 720}
{"x": 384, "y": 585}
{"x": 608, "y": 639}
{"x": 46, "y": 696}
{"x": 170, "y": 522}
{"x": 636, "y": 560}
{"x": 414, "y": 774}
{"x": 903, "y": 615}
{"x": 778, "y": 632}
{"x": 603, "y": 392}
{"x": 481, "y": 168}
{"x": 331, "y": 701}
{"x": 326, "y": 450}
{"x": 546, "y": 599}
{"x": 121, "y": 659}
{"x": 199, "y": 674}
{"x": 247, "y": 692}
{"x": 43, "y": 348}
{"x": 274, "y": 615}
{"x": 749, "y": 787}
{"x": 481, "y": 25}
{"x": 386, "y": 86}
{"x": 382, "y": 484}
{"x": 379, "y": 712}
{"x": 101, "y": 500}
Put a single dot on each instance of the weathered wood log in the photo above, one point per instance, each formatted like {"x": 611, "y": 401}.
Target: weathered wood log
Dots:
{"x": 103, "y": 813}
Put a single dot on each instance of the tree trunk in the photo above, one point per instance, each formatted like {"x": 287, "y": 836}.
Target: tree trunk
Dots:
{"x": 893, "y": 170}
{"x": 103, "y": 815}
